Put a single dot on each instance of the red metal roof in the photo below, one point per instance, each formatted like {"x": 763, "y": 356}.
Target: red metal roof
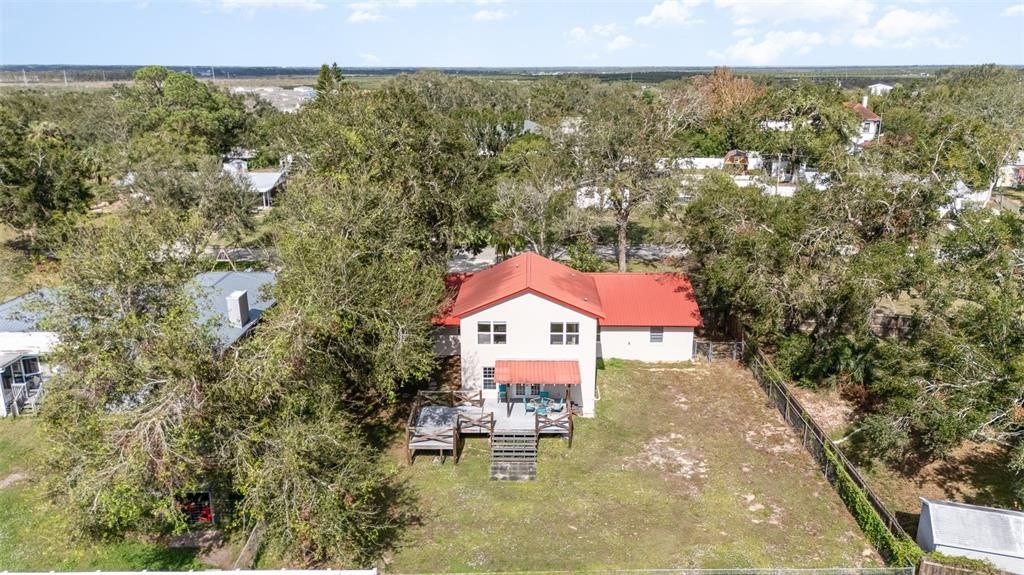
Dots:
{"x": 538, "y": 372}
{"x": 865, "y": 114}
{"x": 646, "y": 299}
{"x": 527, "y": 272}
{"x": 615, "y": 299}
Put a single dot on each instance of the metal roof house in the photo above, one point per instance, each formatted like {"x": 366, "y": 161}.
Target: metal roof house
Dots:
{"x": 995, "y": 535}
{"x": 231, "y": 303}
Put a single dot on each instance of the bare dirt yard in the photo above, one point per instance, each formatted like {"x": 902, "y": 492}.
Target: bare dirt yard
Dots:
{"x": 684, "y": 466}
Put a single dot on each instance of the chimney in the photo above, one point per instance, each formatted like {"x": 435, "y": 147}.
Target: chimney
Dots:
{"x": 238, "y": 308}
{"x": 864, "y": 101}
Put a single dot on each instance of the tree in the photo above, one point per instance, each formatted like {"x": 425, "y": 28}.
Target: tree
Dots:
{"x": 43, "y": 176}
{"x": 536, "y": 201}
{"x": 219, "y": 202}
{"x": 126, "y": 413}
{"x": 623, "y": 141}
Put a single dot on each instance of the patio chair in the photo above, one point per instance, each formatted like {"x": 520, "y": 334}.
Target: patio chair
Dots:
{"x": 557, "y": 406}
{"x": 542, "y": 410}
{"x": 528, "y": 406}
{"x": 503, "y": 393}
{"x": 545, "y": 394}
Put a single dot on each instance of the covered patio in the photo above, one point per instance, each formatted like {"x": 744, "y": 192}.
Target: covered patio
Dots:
{"x": 21, "y": 382}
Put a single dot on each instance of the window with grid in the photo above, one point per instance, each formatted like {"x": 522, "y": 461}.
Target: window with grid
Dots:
{"x": 488, "y": 332}
{"x": 520, "y": 389}
{"x": 657, "y": 334}
{"x": 534, "y": 389}
{"x": 563, "y": 333}
{"x": 489, "y": 378}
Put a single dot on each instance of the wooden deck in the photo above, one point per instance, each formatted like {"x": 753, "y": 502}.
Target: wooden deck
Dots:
{"x": 439, "y": 420}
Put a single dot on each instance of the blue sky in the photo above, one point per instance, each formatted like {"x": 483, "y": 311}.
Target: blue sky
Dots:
{"x": 511, "y": 33}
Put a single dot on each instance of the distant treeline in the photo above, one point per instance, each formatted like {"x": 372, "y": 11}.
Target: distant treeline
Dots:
{"x": 848, "y": 76}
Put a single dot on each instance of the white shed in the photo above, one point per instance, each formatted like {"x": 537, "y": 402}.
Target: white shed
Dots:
{"x": 987, "y": 533}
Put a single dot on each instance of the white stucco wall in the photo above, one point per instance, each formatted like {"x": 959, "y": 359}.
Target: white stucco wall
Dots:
{"x": 528, "y": 317}
{"x": 635, "y": 343}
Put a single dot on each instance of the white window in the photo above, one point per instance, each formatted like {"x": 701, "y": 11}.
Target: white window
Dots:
{"x": 526, "y": 390}
{"x": 565, "y": 333}
{"x": 657, "y": 334}
{"x": 489, "y": 378}
{"x": 491, "y": 332}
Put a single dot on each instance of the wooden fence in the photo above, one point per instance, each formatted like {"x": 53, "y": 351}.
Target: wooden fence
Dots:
{"x": 816, "y": 442}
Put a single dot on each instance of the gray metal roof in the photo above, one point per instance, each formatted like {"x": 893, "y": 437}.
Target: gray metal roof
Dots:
{"x": 9, "y": 357}
{"x": 214, "y": 288}
{"x": 210, "y": 298}
{"x": 985, "y": 529}
{"x": 18, "y": 315}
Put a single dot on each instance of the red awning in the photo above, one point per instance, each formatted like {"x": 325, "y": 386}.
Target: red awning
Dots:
{"x": 537, "y": 372}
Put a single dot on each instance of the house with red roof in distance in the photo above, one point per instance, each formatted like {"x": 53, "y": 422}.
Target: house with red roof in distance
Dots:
{"x": 870, "y": 122}
{"x": 531, "y": 327}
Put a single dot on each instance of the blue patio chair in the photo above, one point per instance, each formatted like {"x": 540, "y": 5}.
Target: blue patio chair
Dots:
{"x": 545, "y": 394}
{"x": 502, "y": 392}
{"x": 542, "y": 410}
{"x": 557, "y": 406}
{"x": 529, "y": 406}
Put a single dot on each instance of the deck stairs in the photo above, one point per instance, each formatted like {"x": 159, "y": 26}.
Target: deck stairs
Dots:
{"x": 514, "y": 455}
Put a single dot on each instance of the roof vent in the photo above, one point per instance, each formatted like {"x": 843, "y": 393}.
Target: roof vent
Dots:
{"x": 238, "y": 308}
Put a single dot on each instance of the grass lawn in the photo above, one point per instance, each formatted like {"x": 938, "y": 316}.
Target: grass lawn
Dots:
{"x": 36, "y": 536}
{"x": 684, "y": 466}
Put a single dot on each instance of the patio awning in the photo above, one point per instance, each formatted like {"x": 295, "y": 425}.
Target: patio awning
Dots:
{"x": 537, "y": 372}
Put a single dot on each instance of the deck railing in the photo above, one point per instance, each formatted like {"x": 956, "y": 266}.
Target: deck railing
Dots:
{"x": 554, "y": 424}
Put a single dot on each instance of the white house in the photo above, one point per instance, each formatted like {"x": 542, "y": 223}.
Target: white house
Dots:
{"x": 961, "y": 197}
{"x": 530, "y": 325}
{"x": 231, "y": 302}
{"x": 879, "y": 89}
{"x": 987, "y": 533}
{"x": 870, "y": 123}
{"x": 264, "y": 183}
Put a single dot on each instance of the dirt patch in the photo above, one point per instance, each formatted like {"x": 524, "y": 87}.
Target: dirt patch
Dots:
{"x": 773, "y": 438}
{"x": 665, "y": 455}
{"x": 829, "y": 408}
{"x": 13, "y": 478}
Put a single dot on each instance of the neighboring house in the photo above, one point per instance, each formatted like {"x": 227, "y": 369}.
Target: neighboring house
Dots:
{"x": 230, "y": 302}
{"x": 879, "y": 89}
{"x": 870, "y": 123}
{"x": 535, "y": 325}
{"x": 961, "y": 197}
{"x": 1011, "y": 174}
{"x": 265, "y": 183}
{"x": 987, "y": 533}
{"x": 736, "y": 162}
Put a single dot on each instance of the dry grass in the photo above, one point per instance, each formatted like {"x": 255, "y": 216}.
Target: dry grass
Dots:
{"x": 684, "y": 467}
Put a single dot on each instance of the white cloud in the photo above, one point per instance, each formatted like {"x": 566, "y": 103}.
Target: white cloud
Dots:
{"x": 253, "y": 4}
{"x": 486, "y": 2}
{"x": 369, "y": 58}
{"x": 670, "y": 12}
{"x": 772, "y": 46}
{"x": 581, "y": 35}
{"x": 1015, "y": 10}
{"x": 620, "y": 42}
{"x": 606, "y": 29}
{"x": 901, "y": 28}
{"x": 407, "y": 3}
{"x": 747, "y": 12}
{"x": 365, "y": 12}
{"x": 489, "y": 15}
{"x": 743, "y": 32}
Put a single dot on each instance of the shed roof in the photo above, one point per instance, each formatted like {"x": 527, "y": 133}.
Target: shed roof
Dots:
{"x": 972, "y": 527}
{"x": 9, "y": 357}
{"x": 646, "y": 299}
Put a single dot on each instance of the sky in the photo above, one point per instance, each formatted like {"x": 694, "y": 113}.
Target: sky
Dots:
{"x": 510, "y": 33}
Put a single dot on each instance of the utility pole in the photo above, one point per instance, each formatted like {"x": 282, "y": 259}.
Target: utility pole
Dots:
{"x": 24, "y": 80}
{"x": 65, "y": 78}
{"x": 213, "y": 72}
